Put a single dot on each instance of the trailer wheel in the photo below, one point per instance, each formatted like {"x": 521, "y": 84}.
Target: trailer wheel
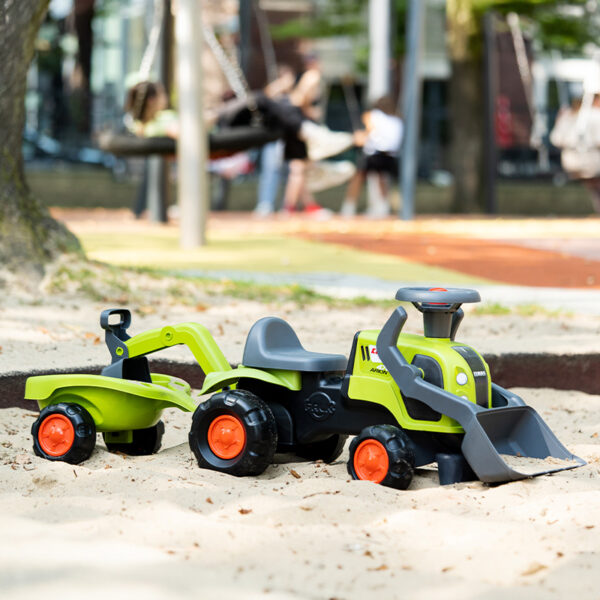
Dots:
{"x": 234, "y": 432}
{"x": 64, "y": 432}
{"x": 326, "y": 450}
{"x": 382, "y": 454}
{"x": 145, "y": 441}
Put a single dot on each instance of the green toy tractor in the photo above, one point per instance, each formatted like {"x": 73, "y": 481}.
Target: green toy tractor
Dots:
{"x": 410, "y": 400}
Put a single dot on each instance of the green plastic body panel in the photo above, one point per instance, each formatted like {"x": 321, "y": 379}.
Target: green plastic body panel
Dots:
{"x": 193, "y": 335}
{"x": 292, "y": 380}
{"x": 114, "y": 404}
{"x": 371, "y": 381}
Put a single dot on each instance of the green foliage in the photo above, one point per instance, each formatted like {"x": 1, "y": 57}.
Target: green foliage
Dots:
{"x": 335, "y": 17}
{"x": 555, "y": 23}
{"x": 344, "y": 18}
{"x": 567, "y": 26}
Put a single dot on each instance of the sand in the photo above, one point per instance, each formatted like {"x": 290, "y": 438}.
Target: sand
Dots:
{"x": 159, "y": 527}
{"x": 63, "y": 332}
{"x": 529, "y": 465}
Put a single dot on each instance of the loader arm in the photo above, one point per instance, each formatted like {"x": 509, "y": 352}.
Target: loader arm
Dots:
{"x": 193, "y": 335}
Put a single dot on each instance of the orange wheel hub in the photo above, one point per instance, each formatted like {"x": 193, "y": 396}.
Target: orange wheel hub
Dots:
{"x": 56, "y": 435}
{"x": 226, "y": 436}
{"x": 371, "y": 461}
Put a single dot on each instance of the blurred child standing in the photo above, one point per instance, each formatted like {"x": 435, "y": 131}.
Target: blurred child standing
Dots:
{"x": 378, "y": 162}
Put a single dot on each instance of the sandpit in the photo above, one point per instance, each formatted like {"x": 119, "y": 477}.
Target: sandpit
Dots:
{"x": 159, "y": 527}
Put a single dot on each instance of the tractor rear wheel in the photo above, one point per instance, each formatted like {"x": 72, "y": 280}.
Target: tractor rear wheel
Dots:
{"x": 326, "y": 450}
{"x": 234, "y": 432}
{"x": 64, "y": 432}
{"x": 145, "y": 441}
{"x": 382, "y": 454}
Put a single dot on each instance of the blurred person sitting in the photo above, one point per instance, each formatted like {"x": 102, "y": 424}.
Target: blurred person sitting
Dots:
{"x": 147, "y": 108}
{"x": 147, "y": 114}
{"x": 380, "y": 141}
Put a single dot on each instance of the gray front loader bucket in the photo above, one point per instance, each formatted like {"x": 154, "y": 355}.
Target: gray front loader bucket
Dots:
{"x": 500, "y": 444}
{"x": 507, "y": 444}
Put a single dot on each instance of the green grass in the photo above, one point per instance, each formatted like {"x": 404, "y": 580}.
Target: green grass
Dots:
{"x": 159, "y": 248}
{"x": 535, "y": 310}
{"x": 146, "y": 288}
{"x": 523, "y": 310}
{"x": 492, "y": 308}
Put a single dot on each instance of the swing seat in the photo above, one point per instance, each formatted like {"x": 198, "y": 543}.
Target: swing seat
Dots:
{"x": 221, "y": 143}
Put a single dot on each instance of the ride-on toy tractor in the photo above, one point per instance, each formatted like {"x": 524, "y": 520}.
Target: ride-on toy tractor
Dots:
{"x": 410, "y": 400}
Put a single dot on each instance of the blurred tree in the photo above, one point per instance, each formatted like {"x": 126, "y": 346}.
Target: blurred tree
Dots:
{"x": 554, "y": 23}
{"x": 29, "y": 236}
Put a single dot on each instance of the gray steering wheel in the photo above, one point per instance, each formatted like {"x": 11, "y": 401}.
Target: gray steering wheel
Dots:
{"x": 433, "y": 299}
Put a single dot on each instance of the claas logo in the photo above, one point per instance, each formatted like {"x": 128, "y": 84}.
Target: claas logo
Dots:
{"x": 370, "y": 353}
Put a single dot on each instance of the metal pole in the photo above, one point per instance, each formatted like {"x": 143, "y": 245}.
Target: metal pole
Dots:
{"x": 411, "y": 107}
{"x": 157, "y": 171}
{"x": 157, "y": 189}
{"x": 489, "y": 132}
{"x": 192, "y": 191}
{"x": 380, "y": 17}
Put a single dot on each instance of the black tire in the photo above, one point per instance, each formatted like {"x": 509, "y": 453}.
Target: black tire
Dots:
{"x": 400, "y": 454}
{"x": 84, "y": 433}
{"x": 259, "y": 426}
{"x": 326, "y": 450}
{"x": 145, "y": 441}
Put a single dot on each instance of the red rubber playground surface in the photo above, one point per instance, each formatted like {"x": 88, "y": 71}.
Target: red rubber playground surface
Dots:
{"x": 543, "y": 252}
{"x": 512, "y": 263}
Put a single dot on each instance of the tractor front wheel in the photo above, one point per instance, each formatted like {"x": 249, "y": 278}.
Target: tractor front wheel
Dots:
{"x": 382, "y": 454}
{"x": 144, "y": 441}
{"x": 64, "y": 432}
{"x": 234, "y": 432}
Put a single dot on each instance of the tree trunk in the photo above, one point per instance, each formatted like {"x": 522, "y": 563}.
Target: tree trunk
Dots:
{"x": 83, "y": 16}
{"x": 466, "y": 105}
{"x": 466, "y": 146}
{"x": 29, "y": 236}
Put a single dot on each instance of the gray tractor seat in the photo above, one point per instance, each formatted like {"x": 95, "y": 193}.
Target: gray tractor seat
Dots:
{"x": 273, "y": 344}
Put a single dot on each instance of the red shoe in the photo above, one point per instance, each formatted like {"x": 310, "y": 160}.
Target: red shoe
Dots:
{"x": 312, "y": 208}
{"x": 317, "y": 211}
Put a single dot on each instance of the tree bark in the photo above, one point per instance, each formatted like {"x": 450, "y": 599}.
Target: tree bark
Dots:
{"x": 466, "y": 105}
{"x": 29, "y": 236}
{"x": 83, "y": 16}
{"x": 466, "y": 146}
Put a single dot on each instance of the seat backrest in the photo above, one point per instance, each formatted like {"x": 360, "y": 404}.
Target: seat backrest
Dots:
{"x": 267, "y": 338}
